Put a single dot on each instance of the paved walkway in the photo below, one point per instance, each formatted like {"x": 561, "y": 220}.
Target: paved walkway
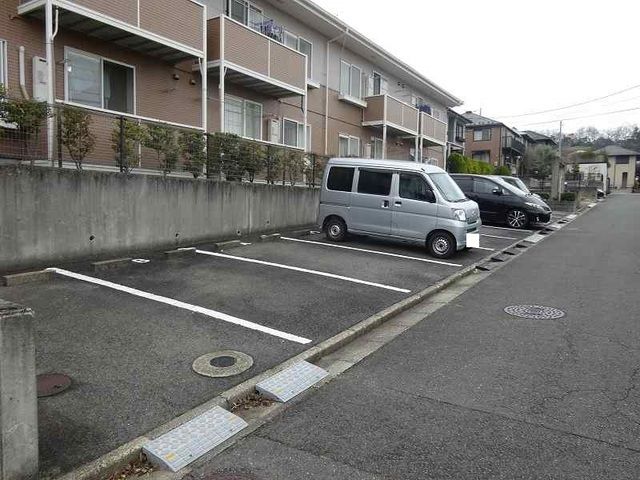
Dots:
{"x": 472, "y": 392}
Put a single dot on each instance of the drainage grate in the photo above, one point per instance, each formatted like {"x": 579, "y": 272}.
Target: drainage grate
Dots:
{"x": 537, "y": 312}
{"x": 225, "y": 363}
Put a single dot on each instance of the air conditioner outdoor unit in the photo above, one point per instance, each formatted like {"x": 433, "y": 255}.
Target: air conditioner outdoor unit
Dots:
{"x": 273, "y": 127}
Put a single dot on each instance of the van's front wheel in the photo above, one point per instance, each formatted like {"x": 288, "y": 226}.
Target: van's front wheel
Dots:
{"x": 441, "y": 244}
{"x": 336, "y": 230}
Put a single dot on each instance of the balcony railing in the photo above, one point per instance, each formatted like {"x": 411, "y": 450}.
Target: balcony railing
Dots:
{"x": 254, "y": 59}
{"x": 395, "y": 114}
{"x": 432, "y": 129}
{"x": 169, "y": 29}
{"x": 513, "y": 144}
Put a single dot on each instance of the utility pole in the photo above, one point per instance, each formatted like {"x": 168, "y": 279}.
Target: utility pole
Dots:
{"x": 560, "y": 176}
{"x": 556, "y": 177}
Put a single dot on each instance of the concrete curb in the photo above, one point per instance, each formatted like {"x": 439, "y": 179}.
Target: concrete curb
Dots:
{"x": 270, "y": 238}
{"x": 180, "y": 252}
{"x": 110, "y": 264}
{"x": 112, "y": 461}
{"x": 228, "y": 245}
{"x": 28, "y": 277}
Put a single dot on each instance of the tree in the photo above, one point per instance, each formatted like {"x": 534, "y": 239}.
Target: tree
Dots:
{"x": 28, "y": 116}
{"x": 76, "y": 134}
{"x": 539, "y": 160}
{"x": 126, "y": 138}
{"x": 192, "y": 148}
{"x": 162, "y": 139}
{"x": 253, "y": 158}
{"x": 223, "y": 156}
{"x": 502, "y": 170}
{"x": 273, "y": 163}
{"x": 292, "y": 166}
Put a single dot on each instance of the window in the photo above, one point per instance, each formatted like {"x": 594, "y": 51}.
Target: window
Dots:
{"x": 481, "y": 156}
{"x": 465, "y": 183}
{"x": 376, "y": 147}
{"x": 293, "y": 133}
{"x": 374, "y": 182}
{"x": 377, "y": 84}
{"x": 459, "y": 131}
{"x": 350, "y": 80}
{"x": 244, "y": 12}
{"x": 4, "y": 74}
{"x": 483, "y": 186}
{"x": 243, "y": 117}
{"x": 97, "y": 82}
{"x": 340, "y": 179}
{"x": 290, "y": 40}
{"x": 414, "y": 187}
{"x": 306, "y": 47}
{"x": 447, "y": 187}
{"x": 622, "y": 159}
{"x": 348, "y": 146}
{"x": 481, "y": 134}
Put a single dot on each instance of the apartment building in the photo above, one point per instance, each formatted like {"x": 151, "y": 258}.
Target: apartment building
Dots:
{"x": 493, "y": 142}
{"x": 125, "y": 57}
{"x": 277, "y": 72}
{"x": 456, "y": 132}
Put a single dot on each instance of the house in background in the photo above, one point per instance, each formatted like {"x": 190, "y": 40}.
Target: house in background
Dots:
{"x": 532, "y": 139}
{"x": 622, "y": 166}
{"x": 490, "y": 141}
{"x": 456, "y": 132}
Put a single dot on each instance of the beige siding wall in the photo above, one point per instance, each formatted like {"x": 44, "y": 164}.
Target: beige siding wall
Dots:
{"x": 246, "y": 48}
{"x": 616, "y": 171}
{"x": 124, "y": 10}
{"x": 178, "y": 20}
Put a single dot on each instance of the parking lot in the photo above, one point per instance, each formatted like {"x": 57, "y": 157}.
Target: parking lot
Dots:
{"x": 128, "y": 337}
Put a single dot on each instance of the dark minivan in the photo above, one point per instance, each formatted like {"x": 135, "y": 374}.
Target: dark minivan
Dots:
{"x": 501, "y": 202}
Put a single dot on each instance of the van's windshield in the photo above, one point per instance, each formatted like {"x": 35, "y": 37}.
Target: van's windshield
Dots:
{"x": 447, "y": 187}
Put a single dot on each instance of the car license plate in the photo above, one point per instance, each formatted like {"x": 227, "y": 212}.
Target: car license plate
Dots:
{"x": 473, "y": 240}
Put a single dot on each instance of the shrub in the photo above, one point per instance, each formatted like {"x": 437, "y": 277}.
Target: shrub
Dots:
{"x": 224, "y": 156}
{"x": 292, "y": 166}
{"x": 192, "y": 148}
{"x": 568, "y": 197}
{"x": 456, "y": 163}
{"x": 162, "y": 139}
{"x": 76, "y": 134}
{"x": 126, "y": 138}
{"x": 253, "y": 158}
{"x": 502, "y": 170}
{"x": 28, "y": 117}
{"x": 273, "y": 163}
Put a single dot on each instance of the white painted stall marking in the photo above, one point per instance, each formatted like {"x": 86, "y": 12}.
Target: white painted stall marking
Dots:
{"x": 186, "y": 306}
{"x": 484, "y": 248}
{"x": 366, "y": 250}
{"x": 497, "y": 236}
{"x": 507, "y": 228}
{"x": 304, "y": 270}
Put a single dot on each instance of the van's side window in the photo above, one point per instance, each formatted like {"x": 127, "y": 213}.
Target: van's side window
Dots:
{"x": 374, "y": 182}
{"x": 414, "y": 187}
{"x": 340, "y": 179}
{"x": 482, "y": 185}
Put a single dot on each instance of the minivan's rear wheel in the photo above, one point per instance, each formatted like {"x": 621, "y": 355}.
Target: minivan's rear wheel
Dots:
{"x": 517, "y": 219}
{"x": 441, "y": 244}
{"x": 336, "y": 229}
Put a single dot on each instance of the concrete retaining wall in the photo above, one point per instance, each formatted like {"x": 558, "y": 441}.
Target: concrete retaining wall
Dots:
{"x": 49, "y": 215}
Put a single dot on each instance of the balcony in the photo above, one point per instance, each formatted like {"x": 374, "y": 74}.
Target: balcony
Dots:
{"x": 255, "y": 60}
{"x": 170, "y": 30}
{"x": 511, "y": 143}
{"x": 432, "y": 130}
{"x": 398, "y": 116}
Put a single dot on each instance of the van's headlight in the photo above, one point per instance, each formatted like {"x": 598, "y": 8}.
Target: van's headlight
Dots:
{"x": 459, "y": 214}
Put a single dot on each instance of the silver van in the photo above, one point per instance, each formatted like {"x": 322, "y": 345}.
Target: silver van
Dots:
{"x": 395, "y": 199}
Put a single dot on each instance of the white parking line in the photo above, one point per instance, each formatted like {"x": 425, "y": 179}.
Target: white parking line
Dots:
{"x": 484, "y": 248}
{"x": 498, "y": 236}
{"x": 303, "y": 270}
{"x": 507, "y": 228}
{"x": 186, "y": 306}
{"x": 377, "y": 252}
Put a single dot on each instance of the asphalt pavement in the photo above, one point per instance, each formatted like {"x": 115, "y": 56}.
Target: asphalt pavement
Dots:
{"x": 472, "y": 392}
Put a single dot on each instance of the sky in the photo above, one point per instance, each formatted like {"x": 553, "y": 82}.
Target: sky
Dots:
{"x": 515, "y": 57}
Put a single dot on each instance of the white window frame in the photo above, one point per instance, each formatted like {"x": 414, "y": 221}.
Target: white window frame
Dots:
{"x": 351, "y": 66}
{"x": 376, "y": 141}
{"x": 247, "y": 8}
{"x": 373, "y": 82}
{"x": 4, "y": 64}
{"x": 245, "y": 102}
{"x": 310, "y": 60}
{"x": 480, "y": 131}
{"x": 350, "y": 138}
{"x": 102, "y": 59}
{"x": 298, "y": 125}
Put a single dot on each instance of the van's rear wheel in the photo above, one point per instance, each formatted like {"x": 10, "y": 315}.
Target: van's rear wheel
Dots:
{"x": 336, "y": 230}
{"x": 441, "y": 244}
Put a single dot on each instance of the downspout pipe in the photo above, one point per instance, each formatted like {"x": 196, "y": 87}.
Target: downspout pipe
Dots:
{"x": 326, "y": 87}
{"x": 23, "y": 81}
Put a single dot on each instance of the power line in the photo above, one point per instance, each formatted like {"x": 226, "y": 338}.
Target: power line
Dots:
{"x": 569, "y": 106}
{"x": 580, "y": 117}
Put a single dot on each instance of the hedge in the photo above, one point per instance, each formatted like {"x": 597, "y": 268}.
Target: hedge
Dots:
{"x": 457, "y": 163}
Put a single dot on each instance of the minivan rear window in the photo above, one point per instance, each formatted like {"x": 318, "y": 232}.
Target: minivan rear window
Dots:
{"x": 340, "y": 179}
{"x": 374, "y": 182}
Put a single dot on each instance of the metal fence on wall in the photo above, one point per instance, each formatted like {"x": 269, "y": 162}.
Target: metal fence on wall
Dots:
{"x": 90, "y": 139}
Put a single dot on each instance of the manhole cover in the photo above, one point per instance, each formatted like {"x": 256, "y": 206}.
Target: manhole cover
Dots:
{"x": 225, "y": 363}
{"x": 537, "y": 312}
{"x": 52, "y": 384}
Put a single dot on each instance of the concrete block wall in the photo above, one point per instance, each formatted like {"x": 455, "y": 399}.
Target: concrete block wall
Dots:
{"x": 51, "y": 215}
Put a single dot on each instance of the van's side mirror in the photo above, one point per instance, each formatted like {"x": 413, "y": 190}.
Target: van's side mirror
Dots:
{"x": 429, "y": 196}
{"x": 497, "y": 191}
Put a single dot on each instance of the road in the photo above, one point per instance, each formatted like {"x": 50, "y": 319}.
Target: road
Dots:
{"x": 472, "y": 392}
